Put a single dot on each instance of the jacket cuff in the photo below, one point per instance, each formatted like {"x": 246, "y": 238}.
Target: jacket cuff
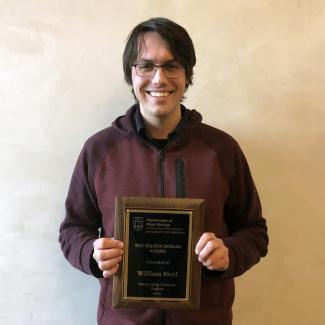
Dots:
{"x": 88, "y": 263}
{"x": 231, "y": 271}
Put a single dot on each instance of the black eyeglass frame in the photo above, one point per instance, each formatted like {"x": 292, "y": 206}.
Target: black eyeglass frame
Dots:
{"x": 156, "y": 67}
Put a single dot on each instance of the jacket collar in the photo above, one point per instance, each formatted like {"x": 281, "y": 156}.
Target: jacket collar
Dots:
{"x": 186, "y": 128}
{"x": 141, "y": 128}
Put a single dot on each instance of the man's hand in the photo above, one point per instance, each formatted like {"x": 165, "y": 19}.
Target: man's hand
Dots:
{"x": 212, "y": 252}
{"x": 108, "y": 254}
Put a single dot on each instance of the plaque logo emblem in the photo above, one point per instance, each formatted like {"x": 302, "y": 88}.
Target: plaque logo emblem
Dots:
{"x": 138, "y": 223}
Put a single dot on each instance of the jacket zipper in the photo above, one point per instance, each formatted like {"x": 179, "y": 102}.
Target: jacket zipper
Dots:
{"x": 162, "y": 194}
{"x": 161, "y": 173}
{"x": 163, "y": 317}
{"x": 180, "y": 190}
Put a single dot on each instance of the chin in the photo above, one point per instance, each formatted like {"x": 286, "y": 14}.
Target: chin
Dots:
{"x": 160, "y": 111}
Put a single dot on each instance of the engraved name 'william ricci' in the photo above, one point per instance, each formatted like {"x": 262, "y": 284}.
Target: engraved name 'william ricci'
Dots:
{"x": 157, "y": 274}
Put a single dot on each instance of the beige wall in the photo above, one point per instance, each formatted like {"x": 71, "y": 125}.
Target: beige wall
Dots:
{"x": 260, "y": 76}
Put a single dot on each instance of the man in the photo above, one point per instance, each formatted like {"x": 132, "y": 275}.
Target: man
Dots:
{"x": 161, "y": 149}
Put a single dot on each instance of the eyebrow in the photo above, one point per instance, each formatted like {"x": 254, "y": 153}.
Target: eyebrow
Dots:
{"x": 152, "y": 61}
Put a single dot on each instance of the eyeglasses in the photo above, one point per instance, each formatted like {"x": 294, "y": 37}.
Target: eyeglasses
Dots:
{"x": 172, "y": 69}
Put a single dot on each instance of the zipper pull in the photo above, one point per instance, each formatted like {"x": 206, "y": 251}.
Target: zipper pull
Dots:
{"x": 162, "y": 155}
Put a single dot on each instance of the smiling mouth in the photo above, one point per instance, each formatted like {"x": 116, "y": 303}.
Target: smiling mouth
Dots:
{"x": 159, "y": 93}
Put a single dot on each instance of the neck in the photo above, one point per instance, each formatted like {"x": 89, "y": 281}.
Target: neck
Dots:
{"x": 160, "y": 126}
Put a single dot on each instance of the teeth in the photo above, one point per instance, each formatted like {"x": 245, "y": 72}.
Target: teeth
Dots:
{"x": 159, "y": 94}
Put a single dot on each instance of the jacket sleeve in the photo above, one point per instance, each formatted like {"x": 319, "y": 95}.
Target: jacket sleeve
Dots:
{"x": 79, "y": 229}
{"x": 248, "y": 239}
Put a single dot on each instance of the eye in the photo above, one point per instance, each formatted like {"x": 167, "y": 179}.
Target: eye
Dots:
{"x": 172, "y": 66}
{"x": 145, "y": 66}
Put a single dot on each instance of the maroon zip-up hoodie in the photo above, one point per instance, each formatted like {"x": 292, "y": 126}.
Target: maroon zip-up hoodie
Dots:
{"x": 200, "y": 162}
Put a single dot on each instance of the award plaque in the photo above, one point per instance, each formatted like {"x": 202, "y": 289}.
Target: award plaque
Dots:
{"x": 159, "y": 268}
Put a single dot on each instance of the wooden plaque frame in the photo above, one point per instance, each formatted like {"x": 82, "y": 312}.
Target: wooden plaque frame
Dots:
{"x": 158, "y": 219}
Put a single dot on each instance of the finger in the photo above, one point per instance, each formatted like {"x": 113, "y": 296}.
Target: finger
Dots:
{"x": 210, "y": 248}
{"x": 218, "y": 260}
{"x": 203, "y": 241}
{"x": 106, "y": 254}
{"x": 221, "y": 264}
{"x": 105, "y": 243}
{"x": 109, "y": 264}
{"x": 111, "y": 272}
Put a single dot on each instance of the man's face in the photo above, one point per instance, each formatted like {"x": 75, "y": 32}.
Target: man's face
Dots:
{"x": 158, "y": 96}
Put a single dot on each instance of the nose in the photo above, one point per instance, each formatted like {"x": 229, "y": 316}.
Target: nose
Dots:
{"x": 159, "y": 76}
